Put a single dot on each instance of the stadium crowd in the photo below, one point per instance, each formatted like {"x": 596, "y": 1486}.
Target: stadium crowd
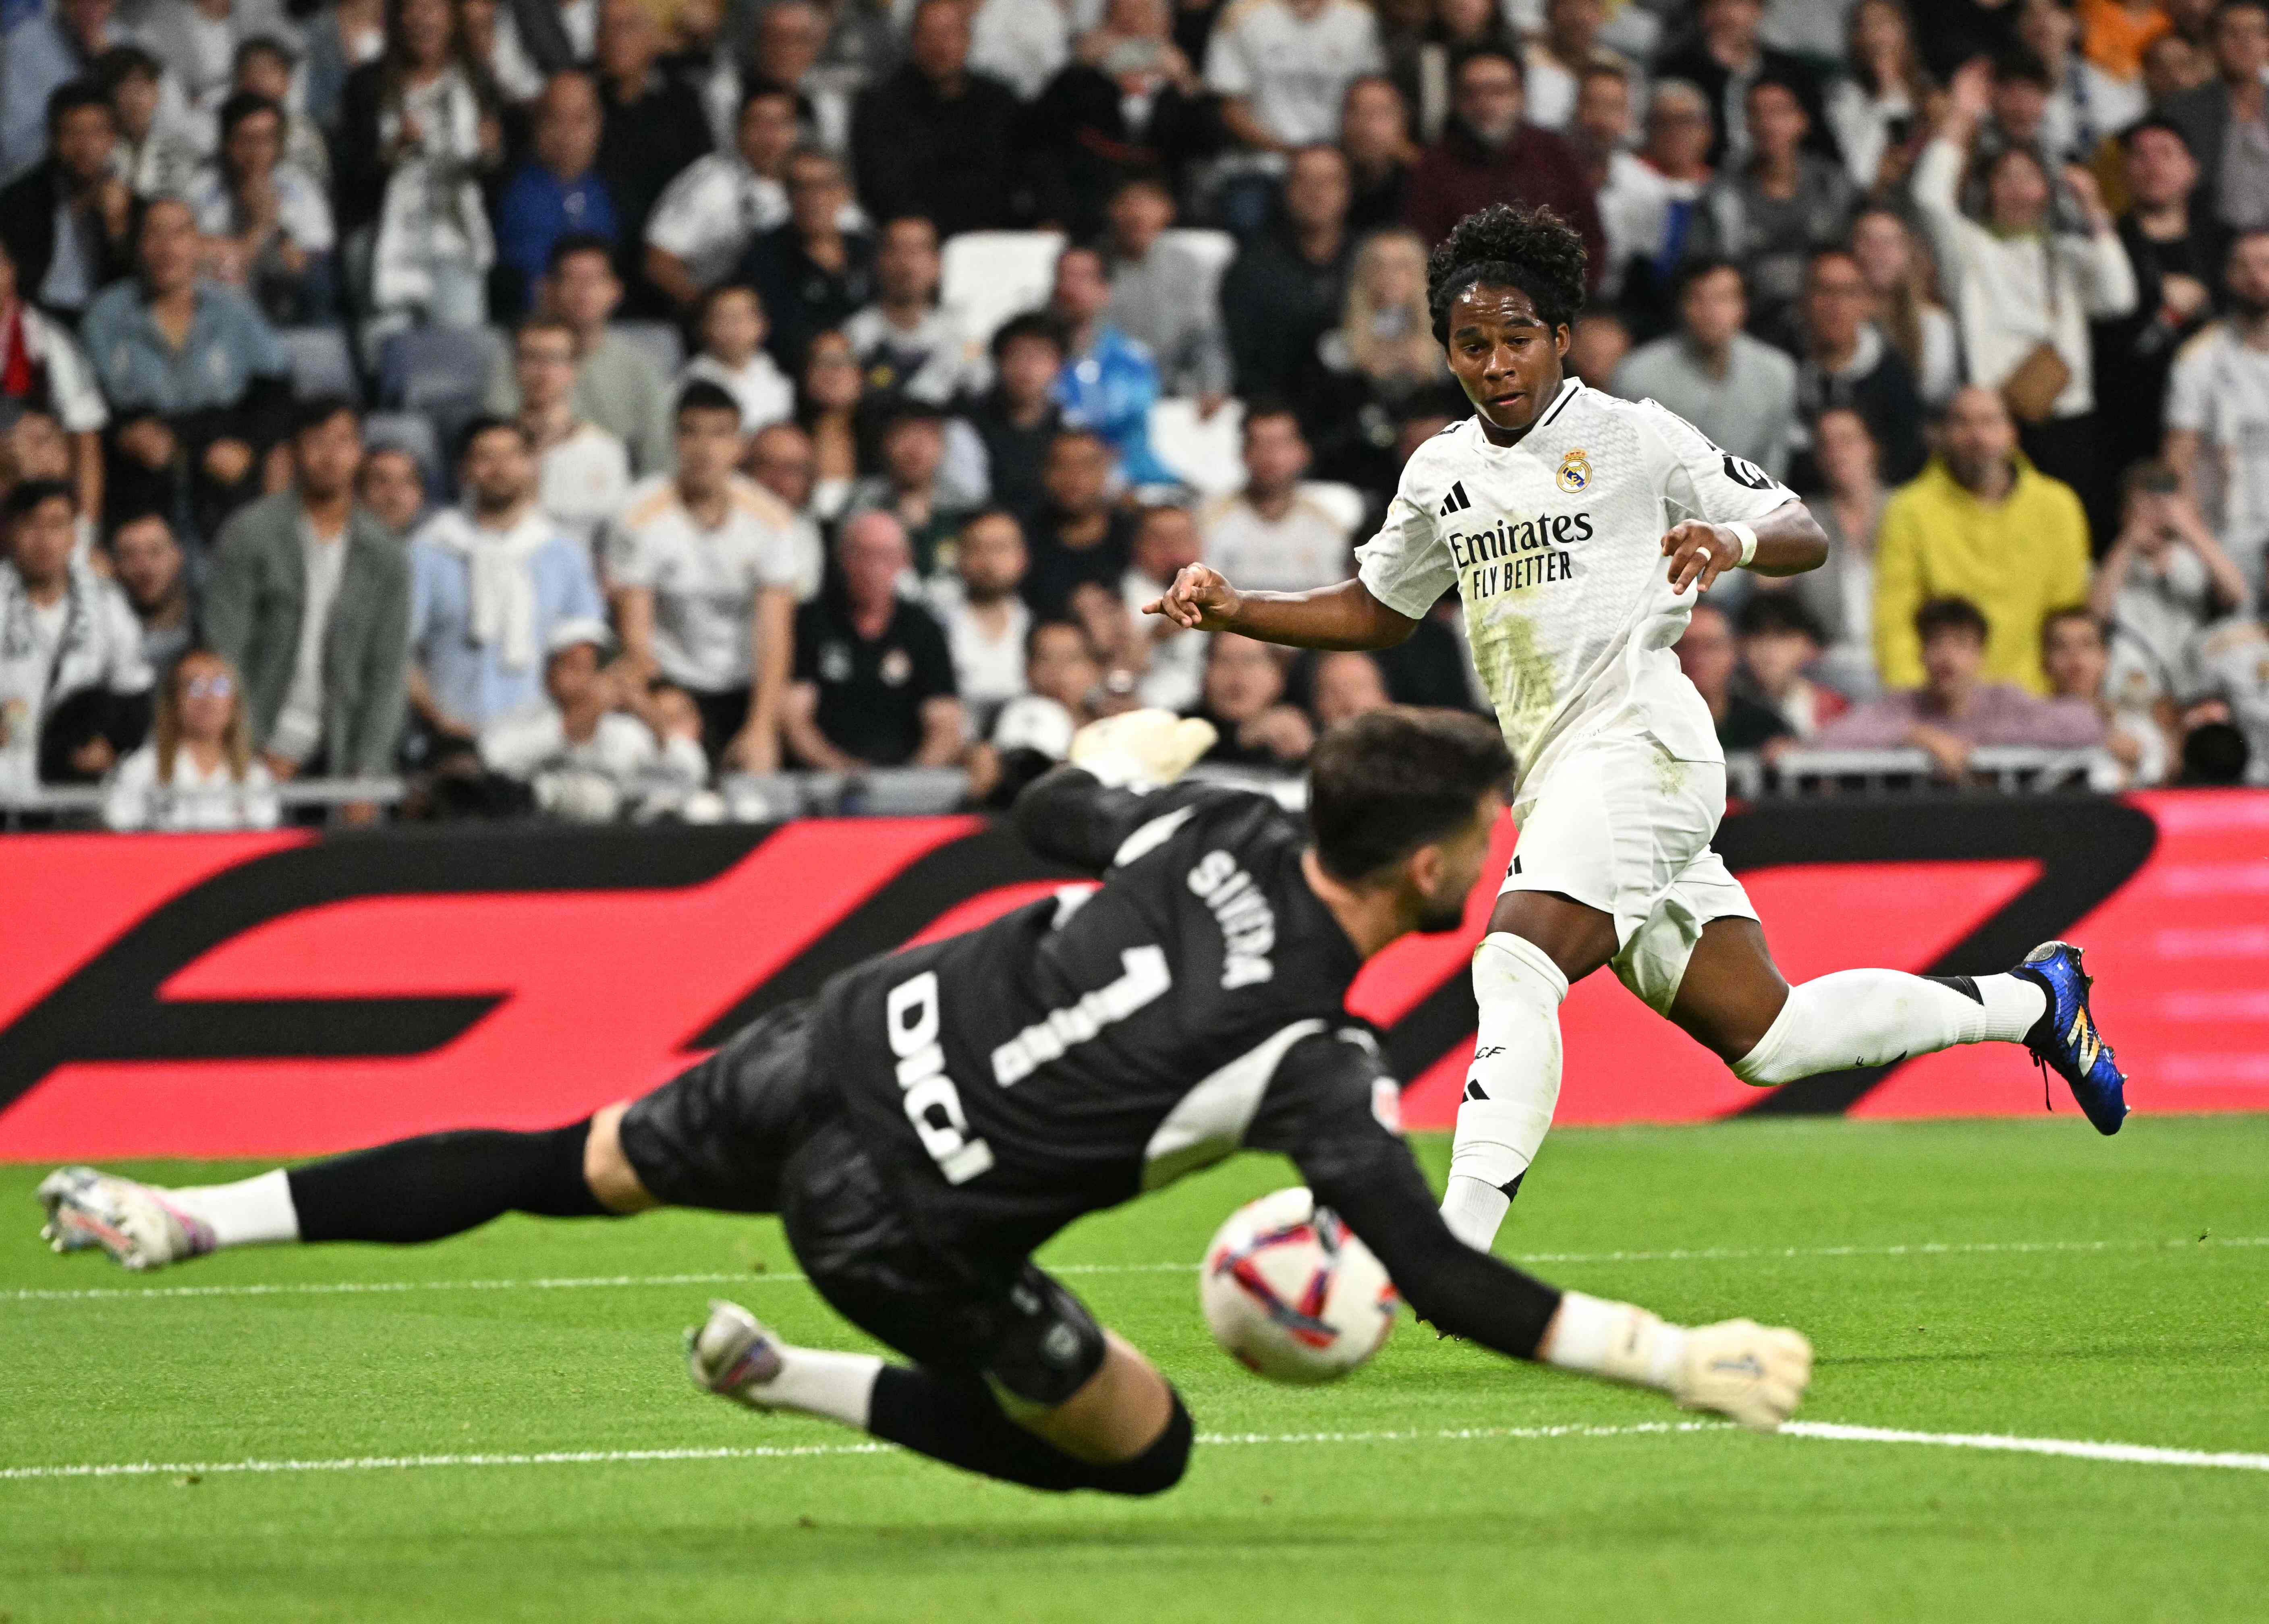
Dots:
{"x": 572, "y": 404}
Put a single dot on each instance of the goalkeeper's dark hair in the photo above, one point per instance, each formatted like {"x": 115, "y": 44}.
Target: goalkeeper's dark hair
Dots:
{"x": 1385, "y": 783}
{"x": 1504, "y": 246}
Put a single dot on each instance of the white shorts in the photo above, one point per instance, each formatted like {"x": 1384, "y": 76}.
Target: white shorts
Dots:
{"x": 1622, "y": 825}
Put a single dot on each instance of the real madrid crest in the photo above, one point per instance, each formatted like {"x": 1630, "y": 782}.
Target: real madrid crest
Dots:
{"x": 1575, "y": 476}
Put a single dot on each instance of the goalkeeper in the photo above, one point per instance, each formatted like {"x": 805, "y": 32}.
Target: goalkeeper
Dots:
{"x": 929, "y": 1117}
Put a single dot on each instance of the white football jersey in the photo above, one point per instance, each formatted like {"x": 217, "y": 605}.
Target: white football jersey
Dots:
{"x": 1556, "y": 546}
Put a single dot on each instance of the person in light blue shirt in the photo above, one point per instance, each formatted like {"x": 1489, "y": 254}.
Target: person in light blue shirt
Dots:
{"x": 39, "y": 55}
{"x": 489, "y": 582}
{"x": 1109, "y": 382}
{"x": 556, "y": 193}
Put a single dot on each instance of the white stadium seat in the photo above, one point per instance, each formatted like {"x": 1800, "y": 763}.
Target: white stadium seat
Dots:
{"x": 985, "y": 277}
{"x": 1209, "y": 453}
{"x": 1343, "y": 502}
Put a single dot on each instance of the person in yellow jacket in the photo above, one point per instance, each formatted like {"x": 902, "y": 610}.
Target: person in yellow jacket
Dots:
{"x": 1982, "y": 523}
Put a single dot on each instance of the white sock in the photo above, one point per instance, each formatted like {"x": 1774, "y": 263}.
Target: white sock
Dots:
{"x": 252, "y": 1211}
{"x": 1512, "y": 1086}
{"x": 1869, "y": 1017}
{"x": 816, "y": 1381}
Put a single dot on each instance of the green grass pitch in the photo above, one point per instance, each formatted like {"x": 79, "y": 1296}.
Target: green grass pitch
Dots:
{"x": 1436, "y": 1494}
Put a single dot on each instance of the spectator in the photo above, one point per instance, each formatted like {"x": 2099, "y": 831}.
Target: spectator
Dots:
{"x": 937, "y": 138}
{"x": 617, "y": 385}
{"x": 1488, "y": 154}
{"x": 1780, "y": 643}
{"x": 1173, "y": 663}
{"x": 1984, "y": 525}
{"x": 2218, "y": 414}
{"x": 702, "y": 567}
{"x": 827, "y": 409}
{"x": 1286, "y": 288}
{"x": 1017, "y": 418}
{"x": 1347, "y": 684}
{"x": 268, "y": 221}
{"x": 340, "y": 38}
{"x": 1903, "y": 303}
{"x": 1272, "y": 532}
{"x": 1128, "y": 103}
{"x": 782, "y": 460}
{"x": 1077, "y": 536}
{"x": 36, "y": 448}
{"x": 1282, "y": 68}
{"x": 74, "y": 688}
{"x": 2165, "y": 578}
{"x": 2015, "y": 114}
{"x": 44, "y": 50}
{"x": 1847, "y": 364}
{"x": 909, "y": 483}
{"x": 1678, "y": 136}
{"x": 155, "y": 156}
{"x": 1375, "y": 140}
{"x": 1244, "y": 698}
{"x": 147, "y": 562}
{"x": 1162, "y": 294}
{"x": 1840, "y": 595}
{"x": 706, "y": 217}
{"x": 1557, "y": 60}
{"x": 1726, "y": 60}
{"x": 310, "y": 601}
{"x": 2172, "y": 66}
{"x": 1063, "y": 678}
{"x": 267, "y": 66}
{"x": 2115, "y": 34}
{"x": 790, "y": 36}
{"x": 812, "y": 272}
{"x": 556, "y": 192}
{"x": 2086, "y": 105}
{"x": 192, "y": 372}
{"x": 2126, "y": 697}
{"x": 66, "y": 221}
{"x": 733, "y": 355}
{"x": 419, "y": 129}
{"x": 2230, "y": 697}
{"x": 2227, "y": 122}
{"x": 655, "y": 129}
{"x": 582, "y": 472}
{"x": 2027, "y": 290}
{"x": 491, "y": 579}
{"x": 1875, "y": 111}
{"x": 1382, "y": 355}
{"x": 198, "y": 41}
{"x": 907, "y": 344}
{"x": 1634, "y": 198}
{"x": 1708, "y": 655}
{"x": 1776, "y": 208}
{"x": 1109, "y": 382}
{"x": 2177, "y": 258}
{"x": 1738, "y": 390}
{"x": 197, "y": 770}
{"x": 874, "y": 679}
{"x": 983, "y": 615}
{"x": 582, "y": 757}
{"x": 1959, "y": 706}
{"x": 393, "y": 489}
{"x": 1597, "y": 346}
{"x": 43, "y": 370}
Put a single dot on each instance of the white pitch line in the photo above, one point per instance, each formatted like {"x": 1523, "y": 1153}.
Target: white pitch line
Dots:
{"x": 1835, "y": 1432}
{"x": 589, "y": 1282}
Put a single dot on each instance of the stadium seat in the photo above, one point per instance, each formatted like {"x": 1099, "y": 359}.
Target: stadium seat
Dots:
{"x": 985, "y": 278}
{"x": 1343, "y": 502}
{"x": 321, "y": 362}
{"x": 1206, "y": 451}
{"x": 407, "y": 431}
{"x": 426, "y": 368}
{"x": 660, "y": 340}
{"x": 1212, "y": 249}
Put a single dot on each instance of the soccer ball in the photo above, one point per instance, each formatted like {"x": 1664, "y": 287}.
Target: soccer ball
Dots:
{"x": 1291, "y": 1294}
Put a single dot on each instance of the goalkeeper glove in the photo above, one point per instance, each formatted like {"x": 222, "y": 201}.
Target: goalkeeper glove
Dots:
{"x": 1143, "y": 748}
{"x": 1753, "y": 1373}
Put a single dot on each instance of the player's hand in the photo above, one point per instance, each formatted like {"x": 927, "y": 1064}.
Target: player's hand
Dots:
{"x": 1699, "y": 553}
{"x": 1754, "y": 1373}
{"x": 1149, "y": 747}
{"x": 1200, "y": 600}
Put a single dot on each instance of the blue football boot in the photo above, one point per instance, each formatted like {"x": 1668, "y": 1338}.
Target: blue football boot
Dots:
{"x": 2066, "y": 1039}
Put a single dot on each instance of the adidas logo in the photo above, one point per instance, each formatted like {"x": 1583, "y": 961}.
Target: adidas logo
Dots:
{"x": 1457, "y": 501}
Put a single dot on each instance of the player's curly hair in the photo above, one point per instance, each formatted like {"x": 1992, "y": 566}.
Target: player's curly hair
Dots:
{"x": 1505, "y": 246}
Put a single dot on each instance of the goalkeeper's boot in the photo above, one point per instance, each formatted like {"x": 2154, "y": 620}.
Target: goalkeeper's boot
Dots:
{"x": 732, "y": 1355}
{"x": 2066, "y": 1038}
{"x": 133, "y": 1222}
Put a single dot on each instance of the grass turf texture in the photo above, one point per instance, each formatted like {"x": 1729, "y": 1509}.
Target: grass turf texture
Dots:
{"x": 2158, "y": 1338}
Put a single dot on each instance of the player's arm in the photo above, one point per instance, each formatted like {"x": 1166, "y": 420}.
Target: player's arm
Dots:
{"x": 1342, "y": 617}
{"x": 1788, "y": 541}
{"x": 1121, "y": 778}
{"x": 1730, "y": 514}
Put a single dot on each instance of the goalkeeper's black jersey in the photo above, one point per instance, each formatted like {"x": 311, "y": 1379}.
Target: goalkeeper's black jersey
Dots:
{"x": 1085, "y": 1048}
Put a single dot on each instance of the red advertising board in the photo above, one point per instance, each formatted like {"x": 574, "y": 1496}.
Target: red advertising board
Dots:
{"x": 284, "y": 994}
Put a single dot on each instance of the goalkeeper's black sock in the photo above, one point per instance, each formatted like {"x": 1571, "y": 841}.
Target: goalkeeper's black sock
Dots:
{"x": 443, "y": 1184}
{"x": 958, "y": 1421}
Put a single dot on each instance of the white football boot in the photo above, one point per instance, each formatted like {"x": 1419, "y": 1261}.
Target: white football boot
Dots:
{"x": 732, "y": 1355}
{"x": 132, "y": 1221}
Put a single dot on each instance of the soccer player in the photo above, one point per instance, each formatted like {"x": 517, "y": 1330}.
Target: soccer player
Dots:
{"x": 1551, "y": 511}
{"x": 930, "y": 1117}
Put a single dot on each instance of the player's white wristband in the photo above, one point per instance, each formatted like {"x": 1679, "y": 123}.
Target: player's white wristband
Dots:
{"x": 1748, "y": 541}
{"x": 1618, "y": 1340}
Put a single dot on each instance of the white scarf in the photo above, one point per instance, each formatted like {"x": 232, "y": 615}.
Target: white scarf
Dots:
{"x": 502, "y": 588}
{"x": 432, "y": 213}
